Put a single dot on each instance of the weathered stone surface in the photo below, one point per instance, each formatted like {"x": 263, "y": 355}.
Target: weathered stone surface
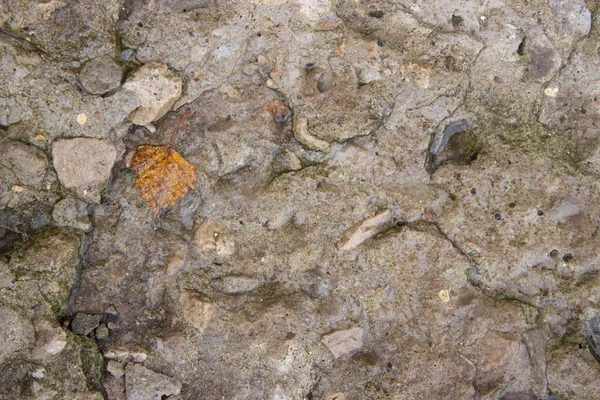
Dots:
{"x": 26, "y": 162}
{"x": 100, "y": 75}
{"x": 84, "y": 165}
{"x": 50, "y": 260}
{"x": 142, "y": 383}
{"x": 308, "y": 118}
{"x": 157, "y": 88}
{"x": 562, "y": 365}
{"x": 345, "y": 341}
{"x": 73, "y": 213}
{"x": 16, "y": 333}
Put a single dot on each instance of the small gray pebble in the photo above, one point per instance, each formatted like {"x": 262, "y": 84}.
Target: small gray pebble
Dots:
{"x": 324, "y": 83}
{"x": 127, "y": 55}
{"x": 100, "y": 75}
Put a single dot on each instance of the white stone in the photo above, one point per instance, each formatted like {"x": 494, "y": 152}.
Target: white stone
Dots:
{"x": 157, "y": 88}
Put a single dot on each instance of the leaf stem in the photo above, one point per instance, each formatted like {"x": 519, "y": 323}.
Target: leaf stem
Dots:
{"x": 186, "y": 111}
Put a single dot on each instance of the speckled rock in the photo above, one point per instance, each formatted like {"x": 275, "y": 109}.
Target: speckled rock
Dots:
{"x": 235, "y": 284}
{"x": 16, "y": 332}
{"x": 27, "y": 163}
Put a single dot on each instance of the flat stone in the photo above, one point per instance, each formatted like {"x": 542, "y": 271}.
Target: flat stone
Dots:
{"x": 73, "y": 213}
{"x": 84, "y": 165}
{"x": 51, "y": 339}
{"x": 157, "y": 88}
{"x": 235, "y": 284}
{"x": 196, "y": 308}
{"x": 142, "y": 383}
{"x": 16, "y": 333}
{"x": 83, "y": 324}
{"x": 101, "y": 75}
{"x": 344, "y": 341}
{"x": 27, "y": 163}
{"x": 365, "y": 230}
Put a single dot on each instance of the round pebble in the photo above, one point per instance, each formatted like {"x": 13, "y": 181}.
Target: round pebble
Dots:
{"x": 324, "y": 83}
{"x": 127, "y": 55}
{"x": 100, "y": 75}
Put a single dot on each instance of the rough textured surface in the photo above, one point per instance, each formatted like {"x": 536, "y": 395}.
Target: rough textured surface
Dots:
{"x": 395, "y": 199}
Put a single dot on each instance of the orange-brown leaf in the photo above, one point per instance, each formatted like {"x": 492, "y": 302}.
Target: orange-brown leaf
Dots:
{"x": 164, "y": 176}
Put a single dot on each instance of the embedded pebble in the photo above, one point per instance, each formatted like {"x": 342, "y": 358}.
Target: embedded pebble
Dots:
{"x": 344, "y": 341}
{"x": 303, "y": 136}
{"x": 102, "y": 331}
{"x": 115, "y": 368}
{"x": 125, "y": 353}
{"x": 142, "y": 383}
{"x": 324, "y": 83}
{"x": 157, "y": 89}
{"x": 365, "y": 230}
{"x": 101, "y": 75}
{"x": 212, "y": 237}
{"x": 84, "y": 165}
{"x": 445, "y": 132}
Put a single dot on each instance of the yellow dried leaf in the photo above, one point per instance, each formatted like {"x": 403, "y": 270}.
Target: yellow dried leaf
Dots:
{"x": 164, "y": 176}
